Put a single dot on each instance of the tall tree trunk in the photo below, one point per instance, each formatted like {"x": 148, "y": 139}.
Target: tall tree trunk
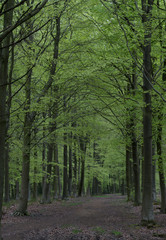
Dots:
{"x": 22, "y": 208}
{"x": 27, "y": 129}
{"x": 160, "y": 164}
{"x": 46, "y": 197}
{"x": 43, "y": 152}
{"x": 9, "y": 100}
{"x": 4, "y": 57}
{"x": 153, "y": 174}
{"x": 65, "y": 177}
{"x": 70, "y": 168}
{"x": 83, "y": 152}
{"x": 136, "y": 171}
{"x": 81, "y": 185}
{"x": 7, "y": 190}
{"x": 75, "y": 169}
{"x": 147, "y": 203}
{"x": 57, "y": 183}
{"x": 160, "y": 122}
{"x": 65, "y": 158}
{"x": 35, "y": 168}
{"x": 128, "y": 175}
{"x": 28, "y": 121}
{"x": 136, "y": 163}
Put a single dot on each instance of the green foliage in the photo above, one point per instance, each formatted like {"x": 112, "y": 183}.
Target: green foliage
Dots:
{"x": 76, "y": 231}
{"x": 117, "y": 233}
{"x": 99, "y": 230}
{"x": 99, "y": 50}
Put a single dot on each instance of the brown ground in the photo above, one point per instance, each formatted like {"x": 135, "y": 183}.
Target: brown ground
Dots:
{"x": 95, "y": 218}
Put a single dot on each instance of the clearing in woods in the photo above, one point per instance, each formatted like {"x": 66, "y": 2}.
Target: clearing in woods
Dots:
{"x": 87, "y": 218}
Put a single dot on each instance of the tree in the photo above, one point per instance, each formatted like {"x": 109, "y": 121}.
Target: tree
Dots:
{"x": 4, "y": 57}
{"x": 147, "y": 202}
{"x": 22, "y": 208}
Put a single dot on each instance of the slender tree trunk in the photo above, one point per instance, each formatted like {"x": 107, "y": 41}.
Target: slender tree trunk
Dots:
{"x": 160, "y": 127}
{"x": 95, "y": 186}
{"x": 136, "y": 171}
{"x": 46, "y": 197}
{"x": 70, "y": 168}
{"x": 147, "y": 203}
{"x": 22, "y": 208}
{"x": 57, "y": 187}
{"x": 35, "y": 178}
{"x": 83, "y": 152}
{"x": 75, "y": 170}
{"x": 24, "y": 195}
{"x": 9, "y": 101}
{"x": 43, "y": 153}
{"x": 161, "y": 165}
{"x": 4, "y": 57}
{"x": 65, "y": 159}
{"x": 81, "y": 185}
{"x": 79, "y": 172}
{"x": 128, "y": 175}
{"x": 65, "y": 177}
{"x": 153, "y": 174}
{"x": 136, "y": 163}
{"x": 7, "y": 190}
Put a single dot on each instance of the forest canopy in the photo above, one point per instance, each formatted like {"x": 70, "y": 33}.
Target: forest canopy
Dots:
{"x": 82, "y": 100}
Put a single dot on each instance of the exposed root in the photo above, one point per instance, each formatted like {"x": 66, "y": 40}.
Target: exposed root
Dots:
{"x": 20, "y": 214}
{"x": 148, "y": 224}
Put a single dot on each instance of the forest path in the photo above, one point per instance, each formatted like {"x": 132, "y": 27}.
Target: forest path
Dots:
{"x": 87, "y": 218}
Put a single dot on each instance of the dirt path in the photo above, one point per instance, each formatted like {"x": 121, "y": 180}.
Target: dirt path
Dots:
{"x": 102, "y": 218}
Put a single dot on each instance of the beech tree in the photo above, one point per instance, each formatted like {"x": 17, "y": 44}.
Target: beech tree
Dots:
{"x": 7, "y": 13}
{"x": 147, "y": 204}
{"x": 77, "y": 71}
{"x": 8, "y": 9}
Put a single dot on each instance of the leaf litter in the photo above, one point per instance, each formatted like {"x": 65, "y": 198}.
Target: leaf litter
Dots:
{"x": 86, "y": 218}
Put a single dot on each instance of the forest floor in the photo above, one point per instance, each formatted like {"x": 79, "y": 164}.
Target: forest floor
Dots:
{"x": 87, "y": 218}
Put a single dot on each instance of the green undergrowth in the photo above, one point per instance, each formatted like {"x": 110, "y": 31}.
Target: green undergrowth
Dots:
{"x": 99, "y": 230}
{"x": 69, "y": 226}
{"x": 76, "y": 231}
{"x": 65, "y": 226}
{"x": 117, "y": 233}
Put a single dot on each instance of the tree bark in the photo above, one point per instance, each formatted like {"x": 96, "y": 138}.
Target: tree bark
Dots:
{"x": 35, "y": 182}
{"x": 65, "y": 177}
{"x": 147, "y": 203}
{"x": 136, "y": 163}
{"x": 46, "y": 197}
{"x": 57, "y": 183}
{"x": 4, "y": 57}
{"x": 128, "y": 175}
{"x": 75, "y": 169}
{"x": 160, "y": 164}
{"x": 83, "y": 152}
{"x": 160, "y": 126}
{"x": 136, "y": 171}
{"x": 28, "y": 121}
{"x": 153, "y": 174}
{"x": 22, "y": 208}
{"x": 70, "y": 167}
{"x": 9, "y": 100}
{"x": 7, "y": 189}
